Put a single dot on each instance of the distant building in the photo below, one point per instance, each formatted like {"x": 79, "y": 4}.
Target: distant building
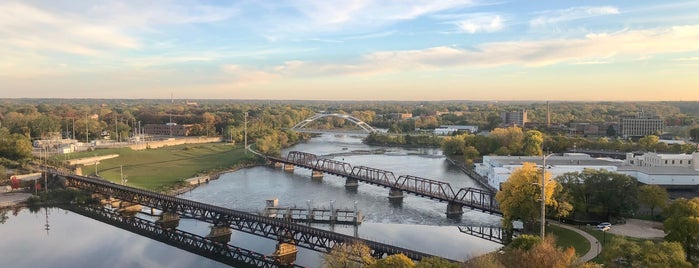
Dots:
{"x": 640, "y": 125}
{"x": 399, "y": 116}
{"x": 167, "y": 129}
{"x": 516, "y": 118}
{"x": 672, "y": 171}
{"x": 449, "y": 129}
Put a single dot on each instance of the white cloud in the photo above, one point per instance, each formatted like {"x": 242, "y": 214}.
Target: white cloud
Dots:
{"x": 481, "y": 23}
{"x": 573, "y": 13}
{"x": 29, "y": 28}
{"x": 593, "y": 48}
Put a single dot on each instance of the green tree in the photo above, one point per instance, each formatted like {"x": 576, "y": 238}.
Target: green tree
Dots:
{"x": 454, "y": 145}
{"x": 694, "y": 134}
{"x": 510, "y": 138}
{"x": 652, "y": 196}
{"x": 682, "y": 224}
{"x": 533, "y": 143}
{"x": 14, "y": 146}
{"x": 601, "y": 191}
{"x": 519, "y": 196}
{"x": 621, "y": 252}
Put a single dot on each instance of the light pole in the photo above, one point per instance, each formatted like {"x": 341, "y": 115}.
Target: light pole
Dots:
{"x": 245, "y": 128}
{"x": 543, "y": 196}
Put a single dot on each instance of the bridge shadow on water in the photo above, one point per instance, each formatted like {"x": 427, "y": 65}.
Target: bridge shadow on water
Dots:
{"x": 202, "y": 246}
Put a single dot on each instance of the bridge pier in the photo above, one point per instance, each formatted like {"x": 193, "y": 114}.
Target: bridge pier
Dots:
{"x": 286, "y": 253}
{"x": 395, "y": 195}
{"x": 289, "y": 168}
{"x": 317, "y": 175}
{"x": 454, "y": 210}
{"x": 351, "y": 183}
{"x": 169, "y": 220}
{"x": 278, "y": 165}
{"x": 220, "y": 233}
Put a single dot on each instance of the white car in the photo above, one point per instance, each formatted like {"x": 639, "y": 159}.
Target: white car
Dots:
{"x": 604, "y": 226}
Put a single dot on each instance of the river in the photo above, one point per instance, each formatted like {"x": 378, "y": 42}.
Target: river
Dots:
{"x": 418, "y": 223}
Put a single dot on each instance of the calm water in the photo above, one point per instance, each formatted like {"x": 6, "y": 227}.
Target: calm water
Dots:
{"x": 419, "y": 223}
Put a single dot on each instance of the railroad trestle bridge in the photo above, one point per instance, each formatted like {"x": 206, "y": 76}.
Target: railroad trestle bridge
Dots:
{"x": 473, "y": 198}
{"x": 277, "y": 229}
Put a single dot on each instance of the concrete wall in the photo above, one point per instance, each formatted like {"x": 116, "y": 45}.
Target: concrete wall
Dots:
{"x": 91, "y": 160}
{"x": 173, "y": 142}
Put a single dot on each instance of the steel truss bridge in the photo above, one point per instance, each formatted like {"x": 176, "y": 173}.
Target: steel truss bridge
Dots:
{"x": 366, "y": 127}
{"x": 473, "y": 198}
{"x": 221, "y": 252}
{"x": 276, "y": 229}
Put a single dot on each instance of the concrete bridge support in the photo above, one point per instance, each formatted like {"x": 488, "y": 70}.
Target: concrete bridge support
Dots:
{"x": 317, "y": 175}
{"x": 169, "y": 220}
{"x": 278, "y": 165}
{"x": 286, "y": 252}
{"x": 351, "y": 183}
{"x": 289, "y": 168}
{"x": 395, "y": 195}
{"x": 220, "y": 233}
{"x": 454, "y": 210}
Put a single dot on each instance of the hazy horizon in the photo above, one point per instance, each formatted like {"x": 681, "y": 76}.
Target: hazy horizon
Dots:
{"x": 414, "y": 50}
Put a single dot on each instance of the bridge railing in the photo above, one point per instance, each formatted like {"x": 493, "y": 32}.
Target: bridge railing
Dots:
{"x": 334, "y": 166}
{"x": 375, "y": 175}
{"x": 477, "y": 197}
{"x": 425, "y": 186}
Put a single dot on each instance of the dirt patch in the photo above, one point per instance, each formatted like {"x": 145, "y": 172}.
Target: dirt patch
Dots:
{"x": 639, "y": 229}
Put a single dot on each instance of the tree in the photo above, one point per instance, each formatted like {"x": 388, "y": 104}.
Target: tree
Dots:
{"x": 436, "y": 262}
{"x": 652, "y": 196}
{"x": 601, "y": 191}
{"x": 682, "y": 224}
{"x": 394, "y": 261}
{"x": 533, "y": 143}
{"x": 611, "y": 131}
{"x": 14, "y": 146}
{"x": 519, "y": 196}
{"x": 511, "y": 138}
{"x": 349, "y": 255}
{"x": 648, "y": 142}
{"x": 694, "y": 134}
{"x": 621, "y": 252}
{"x": 543, "y": 254}
{"x": 453, "y": 145}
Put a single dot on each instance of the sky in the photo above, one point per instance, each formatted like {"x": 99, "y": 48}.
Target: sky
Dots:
{"x": 421, "y": 50}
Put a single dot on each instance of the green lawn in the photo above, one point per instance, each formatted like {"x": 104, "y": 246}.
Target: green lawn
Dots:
{"x": 566, "y": 238}
{"x": 162, "y": 168}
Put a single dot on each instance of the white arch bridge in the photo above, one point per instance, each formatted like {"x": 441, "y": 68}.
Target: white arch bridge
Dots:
{"x": 366, "y": 127}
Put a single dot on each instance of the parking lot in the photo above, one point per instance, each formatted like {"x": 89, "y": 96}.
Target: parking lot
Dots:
{"x": 640, "y": 229}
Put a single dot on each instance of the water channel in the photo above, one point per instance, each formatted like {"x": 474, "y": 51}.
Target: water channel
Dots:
{"x": 418, "y": 223}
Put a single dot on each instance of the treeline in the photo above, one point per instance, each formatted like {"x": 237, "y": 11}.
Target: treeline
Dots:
{"x": 403, "y": 140}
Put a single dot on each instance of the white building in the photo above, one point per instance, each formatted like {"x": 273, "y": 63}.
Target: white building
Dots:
{"x": 668, "y": 170}
{"x": 449, "y": 129}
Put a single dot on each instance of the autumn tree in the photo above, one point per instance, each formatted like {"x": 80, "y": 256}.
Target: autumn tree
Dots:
{"x": 436, "y": 262}
{"x": 538, "y": 254}
{"x": 682, "y": 224}
{"x": 520, "y": 195}
{"x": 533, "y": 143}
{"x": 511, "y": 138}
{"x": 652, "y": 196}
{"x": 648, "y": 142}
{"x": 349, "y": 255}
{"x": 393, "y": 261}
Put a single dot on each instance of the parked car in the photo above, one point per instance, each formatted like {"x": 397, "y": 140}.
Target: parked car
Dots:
{"x": 604, "y": 226}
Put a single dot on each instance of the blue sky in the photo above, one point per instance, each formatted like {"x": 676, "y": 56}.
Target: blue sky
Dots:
{"x": 351, "y": 50}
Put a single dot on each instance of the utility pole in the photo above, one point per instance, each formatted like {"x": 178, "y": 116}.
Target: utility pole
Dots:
{"x": 87, "y": 130}
{"x": 245, "y": 129}
{"x": 543, "y": 197}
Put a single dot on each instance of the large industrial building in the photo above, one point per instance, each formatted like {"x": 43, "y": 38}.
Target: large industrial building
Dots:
{"x": 672, "y": 171}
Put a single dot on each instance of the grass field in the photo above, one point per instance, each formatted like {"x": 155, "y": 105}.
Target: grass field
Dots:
{"x": 164, "y": 168}
{"x": 566, "y": 238}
